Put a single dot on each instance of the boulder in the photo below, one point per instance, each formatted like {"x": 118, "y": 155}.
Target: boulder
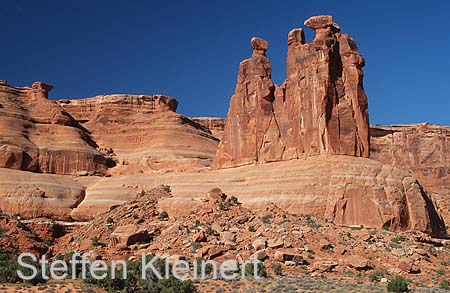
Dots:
{"x": 323, "y": 266}
{"x": 259, "y": 244}
{"x": 358, "y": 263}
{"x": 130, "y": 235}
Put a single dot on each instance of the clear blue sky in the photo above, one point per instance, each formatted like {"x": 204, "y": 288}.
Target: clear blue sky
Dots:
{"x": 191, "y": 49}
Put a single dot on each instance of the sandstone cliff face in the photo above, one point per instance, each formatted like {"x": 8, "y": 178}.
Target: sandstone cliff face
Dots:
{"x": 215, "y": 124}
{"x": 144, "y": 133}
{"x": 37, "y": 135}
{"x": 321, "y": 108}
{"x": 422, "y": 149}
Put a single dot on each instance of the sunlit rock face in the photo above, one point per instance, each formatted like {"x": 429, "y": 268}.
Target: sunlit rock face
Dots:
{"x": 321, "y": 108}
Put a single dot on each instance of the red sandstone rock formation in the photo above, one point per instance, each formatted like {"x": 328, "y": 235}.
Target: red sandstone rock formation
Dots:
{"x": 215, "y": 124}
{"x": 422, "y": 149}
{"x": 321, "y": 108}
{"x": 145, "y": 133}
{"x": 251, "y": 131}
{"x": 37, "y": 135}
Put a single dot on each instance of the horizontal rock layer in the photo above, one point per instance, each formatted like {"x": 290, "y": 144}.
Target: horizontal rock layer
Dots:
{"x": 37, "y": 135}
{"x": 38, "y": 195}
{"x": 422, "y": 149}
{"x": 347, "y": 190}
{"x": 144, "y": 133}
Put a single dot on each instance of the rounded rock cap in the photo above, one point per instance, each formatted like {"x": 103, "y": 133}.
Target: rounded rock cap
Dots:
{"x": 259, "y": 44}
{"x": 320, "y": 22}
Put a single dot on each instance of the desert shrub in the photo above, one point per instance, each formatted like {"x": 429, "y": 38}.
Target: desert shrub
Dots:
{"x": 163, "y": 215}
{"x": 311, "y": 222}
{"x": 398, "y": 239}
{"x": 135, "y": 283}
{"x": 276, "y": 267}
{"x": 95, "y": 241}
{"x": 445, "y": 285}
{"x": 398, "y": 284}
{"x": 377, "y": 275}
{"x": 208, "y": 267}
{"x": 196, "y": 246}
{"x": 21, "y": 225}
{"x": 3, "y": 230}
{"x": 109, "y": 221}
{"x": 9, "y": 267}
{"x": 251, "y": 228}
{"x": 223, "y": 206}
{"x": 440, "y": 271}
{"x": 234, "y": 200}
{"x": 260, "y": 270}
{"x": 266, "y": 219}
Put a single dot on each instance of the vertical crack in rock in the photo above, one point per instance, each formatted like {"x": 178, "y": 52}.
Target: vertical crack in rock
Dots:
{"x": 321, "y": 107}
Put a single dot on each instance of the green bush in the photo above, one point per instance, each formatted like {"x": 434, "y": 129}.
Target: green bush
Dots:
{"x": 277, "y": 269}
{"x": 136, "y": 284}
{"x": 9, "y": 267}
{"x": 266, "y": 219}
{"x": 109, "y": 221}
{"x": 445, "y": 285}
{"x": 398, "y": 284}
{"x": 251, "y": 228}
{"x": 377, "y": 275}
{"x": 440, "y": 271}
{"x": 95, "y": 241}
{"x": 196, "y": 246}
{"x": 260, "y": 270}
{"x": 3, "y": 230}
{"x": 22, "y": 226}
{"x": 234, "y": 200}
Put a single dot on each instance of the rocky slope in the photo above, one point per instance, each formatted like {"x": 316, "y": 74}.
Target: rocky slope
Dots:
{"x": 144, "y": 133}
{"x": 220, "y": 229}
{"x": 37, "y": 135}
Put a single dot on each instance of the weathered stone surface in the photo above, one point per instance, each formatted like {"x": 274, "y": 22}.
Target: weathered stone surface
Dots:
{"x": 250, "y": 115}
{"x": 323, "y": 266}
{"x": 129, "y": 235}
{"x": 145, "y": 133}
{"x": 321, "y": 108}
{"x": 215, "y": 124}
{"x": 422, "y": 149}
{"x": 37, "y": 135}
{"x": 38, "y": 195}
{"x": 358, "y": 262}
{"x": 348, "y": 190}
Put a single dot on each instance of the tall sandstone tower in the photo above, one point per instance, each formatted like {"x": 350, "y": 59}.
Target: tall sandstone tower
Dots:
{"x": 321, "y": 107}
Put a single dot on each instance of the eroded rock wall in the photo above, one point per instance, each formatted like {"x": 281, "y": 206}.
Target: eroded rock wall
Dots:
{"x": 321, "y": 108}
{"x": 37, "y": 135}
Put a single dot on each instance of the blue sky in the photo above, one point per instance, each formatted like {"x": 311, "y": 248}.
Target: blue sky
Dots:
{"x": 191, "y": 49}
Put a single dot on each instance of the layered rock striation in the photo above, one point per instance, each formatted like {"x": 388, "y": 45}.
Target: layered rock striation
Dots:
{"x": 37, "y": 135}
{"x": 144, "y": 133}
{"x": 321, "y": 108}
